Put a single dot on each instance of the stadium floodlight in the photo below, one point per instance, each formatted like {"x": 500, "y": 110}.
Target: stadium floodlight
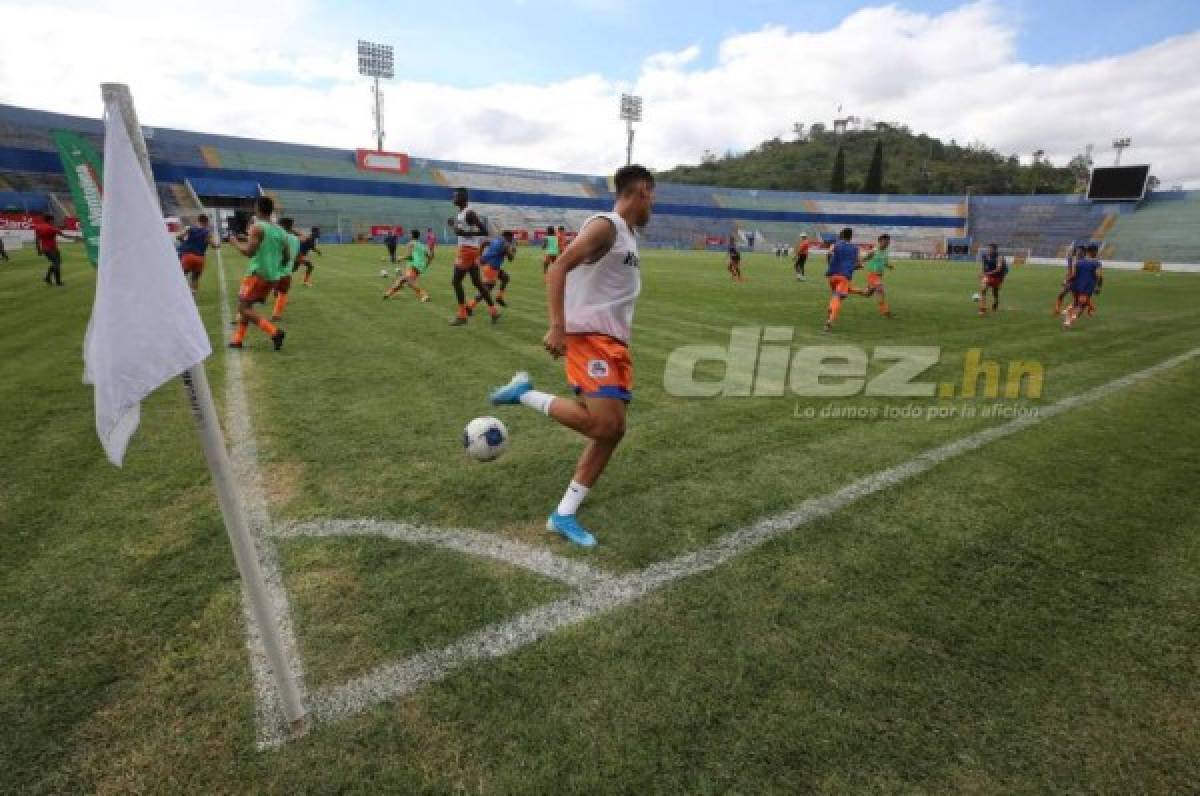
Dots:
{"x": 1121, "y": 144}
{"x": 376, "y": 61}
{"x": 1038, "y": 154}
{"x": 631, "y": 111}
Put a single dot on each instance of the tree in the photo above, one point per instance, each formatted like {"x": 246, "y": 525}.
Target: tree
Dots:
{"x": 837, "y": 182}
{"x": 816, "y": 130}
{"x": 874, "y": 182}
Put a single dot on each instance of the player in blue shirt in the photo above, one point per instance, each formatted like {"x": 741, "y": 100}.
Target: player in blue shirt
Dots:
{"x": 308, "y": 245}
{"x": 495, "y": 255}
{"x": 1087, "y": 278}
{"x": 995, "y": 268}
{"x": 734, "y": 265}
{"x": 194, "y": 242}
{"x": 844, "y": 260}
{"x": 1077, "y": 250}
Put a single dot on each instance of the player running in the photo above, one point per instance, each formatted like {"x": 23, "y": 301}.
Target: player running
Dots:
{"x": 418, "y": 258}
{"x": 497, "y": 253}
{"x": 194, "y": 242}
{"x": 876, "y": 264}
{"x": 1087, "y": 278}
{"x": 390, "y": 241}
{"x": 995, "y": 268}
{"x": 266, "y": 246}
{"x": 308, "y": 244}
{"x": 431, "y": 242}
{"x": 471, "y": 232}
{"x": 283, "y": 285}
{"x": 802, "y": 247}
{"x": 844, "y": 260}
{"x": 551, "y": 244}
{"x": 591, "y": 292}
{"x": 734, "y": 265}
{"x": 1077, "y": 250}
{"x": 45, "y": 240}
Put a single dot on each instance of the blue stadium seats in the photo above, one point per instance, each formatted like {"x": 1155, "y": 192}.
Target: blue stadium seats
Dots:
{"x": 324, "y": 187}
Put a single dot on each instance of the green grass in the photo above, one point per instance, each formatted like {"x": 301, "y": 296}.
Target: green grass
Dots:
{"x": 1019, "y": 619}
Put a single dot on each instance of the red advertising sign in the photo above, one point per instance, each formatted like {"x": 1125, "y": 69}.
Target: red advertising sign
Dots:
{"x": 713, "y": 240}
{"x": 25, "y": 221}
{"x": 16, "y": 221}
{"x": 370, "y": 160}
{"x": 382, "y": 230}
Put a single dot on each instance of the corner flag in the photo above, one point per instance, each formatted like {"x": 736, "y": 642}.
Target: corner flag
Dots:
{"x": 145, "y": 328}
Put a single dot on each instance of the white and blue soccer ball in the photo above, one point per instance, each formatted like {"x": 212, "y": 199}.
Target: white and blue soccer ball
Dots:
{"x": 383, "y": 272}
{"x": 975, "y": 297}
{"x": 485, "y": 438}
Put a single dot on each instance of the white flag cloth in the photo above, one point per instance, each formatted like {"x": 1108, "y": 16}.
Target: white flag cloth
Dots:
{"x": 145, "y": 328}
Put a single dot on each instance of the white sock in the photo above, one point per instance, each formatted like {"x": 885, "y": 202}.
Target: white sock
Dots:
{"x": 538, "y": 400}
{"x": 575, "y": 494}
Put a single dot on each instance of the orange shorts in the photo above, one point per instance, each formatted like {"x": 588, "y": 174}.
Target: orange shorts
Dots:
{"x": 993, "y": 281}
{"x": 839, "y": 285}
{"x": 598, "y": 366}
{"x": 284, "y": 284}
{"x": 467, "y": 257}
{"x": 874, "y": 279}
{"x": 490, "y": 275}
{"x": 254, "y": 289}
{"x": 192, "y": 263}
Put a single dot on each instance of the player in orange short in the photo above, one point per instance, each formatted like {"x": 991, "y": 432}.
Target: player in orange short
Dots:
{"x": 472, "y": 232}
{"x": 592, "y": 290}
{"x": 194, "y": 243}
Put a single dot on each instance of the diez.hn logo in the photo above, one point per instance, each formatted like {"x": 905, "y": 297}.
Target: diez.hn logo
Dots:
{"x": 761, "y": 362}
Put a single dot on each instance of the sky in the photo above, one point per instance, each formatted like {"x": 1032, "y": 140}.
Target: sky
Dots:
{"x": 534, "y": 83}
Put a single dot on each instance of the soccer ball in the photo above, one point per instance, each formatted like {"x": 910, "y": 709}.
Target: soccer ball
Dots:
{"x": 484, "y": 439}
{"x": 975, "y": 297}
{"x": 383, "y": 272}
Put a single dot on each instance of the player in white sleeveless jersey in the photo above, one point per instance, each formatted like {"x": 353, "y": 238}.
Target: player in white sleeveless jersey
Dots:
{"x": 592, "y": 288}
{"x": 472, "y": 234}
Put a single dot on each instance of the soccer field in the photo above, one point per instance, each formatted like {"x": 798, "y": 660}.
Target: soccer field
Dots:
{"x": 1016, "y": 614}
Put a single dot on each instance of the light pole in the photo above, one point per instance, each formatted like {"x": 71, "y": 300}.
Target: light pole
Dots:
{"x": 1038, "y": 154}
{"x": 375, "y": 61}
{"x": 631, "y": 111}
{"x": 1121, "y": 144}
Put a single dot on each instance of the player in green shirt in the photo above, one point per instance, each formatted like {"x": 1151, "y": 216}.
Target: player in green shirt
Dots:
{"x": 284, "y": 284}
{"x": 266, "y": 246}
{"x": 418, "y": 258}
{"x": 876, "y": 264}
{"x": 551, "y": 244}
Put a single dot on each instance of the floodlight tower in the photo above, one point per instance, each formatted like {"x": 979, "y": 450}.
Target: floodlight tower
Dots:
{"x": 631, "y": 111}
{"x": 1121, "y": 144}
{"x": 375, "y": 61}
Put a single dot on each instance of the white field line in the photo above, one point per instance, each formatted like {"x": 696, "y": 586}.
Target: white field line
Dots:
{"x": 393, "y": 680}
{"x": 574, "y": 573}
{"x": 243, "y": 454}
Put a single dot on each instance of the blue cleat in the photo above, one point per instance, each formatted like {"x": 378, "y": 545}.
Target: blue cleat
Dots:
{"x": 569, "y": 528}
{"x": 511, "y": 393}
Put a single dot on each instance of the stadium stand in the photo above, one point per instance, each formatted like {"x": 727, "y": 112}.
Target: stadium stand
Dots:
{"x": 1046, "y": 225}
{"x": 322, "y": 186}
{"x": 1166, "y": 227}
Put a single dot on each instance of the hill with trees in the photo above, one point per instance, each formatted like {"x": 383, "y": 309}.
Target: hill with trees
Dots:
{"x": 883, "y": 159}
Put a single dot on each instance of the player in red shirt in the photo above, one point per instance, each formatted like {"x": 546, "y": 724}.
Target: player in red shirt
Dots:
{"x": 46, "y": 236}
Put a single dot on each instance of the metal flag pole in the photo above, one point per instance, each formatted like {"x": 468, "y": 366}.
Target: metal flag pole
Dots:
{"x": 212, "y": 440}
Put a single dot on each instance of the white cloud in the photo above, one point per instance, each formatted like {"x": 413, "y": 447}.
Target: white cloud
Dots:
{"x": 269, "y": 72}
